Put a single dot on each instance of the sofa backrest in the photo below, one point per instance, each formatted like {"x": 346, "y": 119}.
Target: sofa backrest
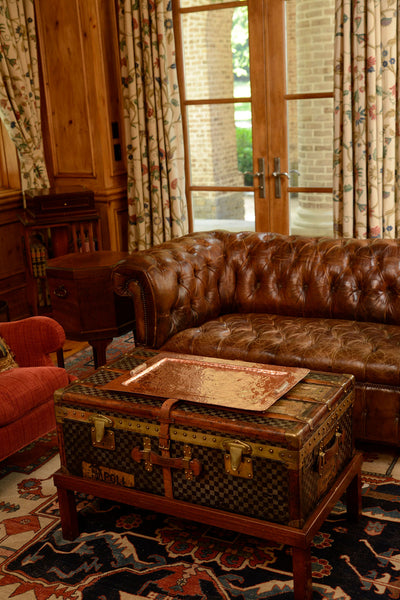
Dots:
{"x": 184, "y": 282}
{"x": 316, "y": 277}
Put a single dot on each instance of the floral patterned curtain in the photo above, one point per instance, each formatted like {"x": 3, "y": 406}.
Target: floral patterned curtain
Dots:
{"x": 156, "y": 198}
{"x": 19, "y": 89}
{"x": 367, "y": 119}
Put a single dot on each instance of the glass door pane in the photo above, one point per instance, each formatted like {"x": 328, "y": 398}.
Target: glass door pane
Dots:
{"x": 218, "y": 113}
{"x": 309, "y": 105}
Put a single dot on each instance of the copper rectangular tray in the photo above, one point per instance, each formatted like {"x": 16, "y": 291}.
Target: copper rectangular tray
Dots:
{"x": 230, "y": 383}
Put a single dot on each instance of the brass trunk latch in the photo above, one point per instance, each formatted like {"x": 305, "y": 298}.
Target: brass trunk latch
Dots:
{"x": 187, "y": 462}
{"x": 102, "y": 438}
{"x": 147, "y": 454}
{"x": 235, "y": 463}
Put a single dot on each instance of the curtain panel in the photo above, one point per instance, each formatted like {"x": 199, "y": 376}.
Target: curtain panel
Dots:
{"x": 367, "y": 119}
{"x": 155, "y": 153}
{"x": 20, "y": 89}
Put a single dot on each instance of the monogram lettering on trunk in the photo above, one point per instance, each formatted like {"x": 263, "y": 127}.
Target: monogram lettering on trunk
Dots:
{"x": 112, "y": 476}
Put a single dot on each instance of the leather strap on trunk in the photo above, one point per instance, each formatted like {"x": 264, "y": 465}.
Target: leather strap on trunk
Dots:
{"x": 164, "y": 442}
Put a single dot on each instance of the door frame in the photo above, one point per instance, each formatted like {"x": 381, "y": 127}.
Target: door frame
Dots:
{"x": 267, "y": 76}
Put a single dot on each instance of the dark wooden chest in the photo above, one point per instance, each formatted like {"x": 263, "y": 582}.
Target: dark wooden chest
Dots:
{"x": 274, "y": 465}
{"x": 83, "y": 300}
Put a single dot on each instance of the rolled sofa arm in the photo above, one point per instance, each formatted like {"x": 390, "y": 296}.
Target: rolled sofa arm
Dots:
{"x": 174, "y": 285}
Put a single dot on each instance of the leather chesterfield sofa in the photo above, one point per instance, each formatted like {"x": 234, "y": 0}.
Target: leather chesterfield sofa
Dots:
{"x": 326, "y": 304}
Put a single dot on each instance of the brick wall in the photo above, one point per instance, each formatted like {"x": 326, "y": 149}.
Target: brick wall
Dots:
{"x": 311, "y": 121}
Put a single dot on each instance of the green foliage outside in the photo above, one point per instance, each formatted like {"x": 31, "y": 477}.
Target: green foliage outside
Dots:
{"x": 240, "y": 45}
{"x": 241, "y": 73}
{"x": 245, "y": 152}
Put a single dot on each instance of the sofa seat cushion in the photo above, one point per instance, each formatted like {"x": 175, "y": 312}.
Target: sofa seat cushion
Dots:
{"x": 25, "y": 388}
{"x": 370, "y": 351}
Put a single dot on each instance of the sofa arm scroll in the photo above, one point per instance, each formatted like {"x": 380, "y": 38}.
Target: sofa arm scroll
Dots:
{"x": 174, "y": 286}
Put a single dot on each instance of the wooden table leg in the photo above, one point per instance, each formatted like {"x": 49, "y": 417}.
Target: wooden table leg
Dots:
{"x": 302, "y": 582}
{"x": 68, "y": 513}
{"x": 354, "y": 498}
{"x": 100, "y": 351}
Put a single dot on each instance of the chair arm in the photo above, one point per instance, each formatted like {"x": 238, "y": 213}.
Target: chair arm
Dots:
{"x": 33, "y": 339}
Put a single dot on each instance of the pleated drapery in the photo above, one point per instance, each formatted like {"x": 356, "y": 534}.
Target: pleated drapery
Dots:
{"x": 155, "y": 152}
{"x": 367, "y": 119}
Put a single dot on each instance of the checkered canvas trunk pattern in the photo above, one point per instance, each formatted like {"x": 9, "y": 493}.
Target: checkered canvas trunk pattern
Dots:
{"x": 267, "y": 495}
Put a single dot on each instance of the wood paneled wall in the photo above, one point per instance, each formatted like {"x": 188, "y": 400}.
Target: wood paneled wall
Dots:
{"x": 83, "y": 128}
{"x": 82, "y": 89}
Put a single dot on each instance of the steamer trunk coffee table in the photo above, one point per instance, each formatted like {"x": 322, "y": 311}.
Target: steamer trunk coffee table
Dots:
{"x": 265, "y": 451}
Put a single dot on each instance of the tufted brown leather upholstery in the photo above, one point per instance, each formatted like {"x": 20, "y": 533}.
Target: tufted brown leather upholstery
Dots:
{"x": 331, "y": 305}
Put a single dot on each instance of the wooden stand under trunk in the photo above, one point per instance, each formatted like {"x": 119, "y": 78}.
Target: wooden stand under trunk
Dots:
{"x": 299, "y": 539}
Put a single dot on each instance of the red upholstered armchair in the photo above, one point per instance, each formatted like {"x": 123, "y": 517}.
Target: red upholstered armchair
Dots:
{"x": 27, "y": 390}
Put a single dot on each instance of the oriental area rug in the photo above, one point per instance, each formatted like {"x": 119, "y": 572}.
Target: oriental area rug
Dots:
{"x": 124, "y": 553}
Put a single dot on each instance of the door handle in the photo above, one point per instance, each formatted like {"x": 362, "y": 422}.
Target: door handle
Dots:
{"x": 277, "y": 173}
{"x": 261, "y": 177}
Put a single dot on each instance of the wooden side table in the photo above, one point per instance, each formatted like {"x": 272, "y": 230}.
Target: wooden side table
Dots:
{"x": 83, "y": 300}
{"x": 56, "y": 221}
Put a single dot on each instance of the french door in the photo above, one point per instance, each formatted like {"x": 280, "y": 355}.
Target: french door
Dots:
{"x": 247, "y": 107}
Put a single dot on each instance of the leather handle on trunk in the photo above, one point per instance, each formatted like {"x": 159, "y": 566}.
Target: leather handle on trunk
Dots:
{"x": 150, "y": 458}
{"x": 325, "y": 456}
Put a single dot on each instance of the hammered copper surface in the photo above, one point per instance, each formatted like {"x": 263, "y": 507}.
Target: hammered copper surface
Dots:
{"x": 231, "y": 383}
